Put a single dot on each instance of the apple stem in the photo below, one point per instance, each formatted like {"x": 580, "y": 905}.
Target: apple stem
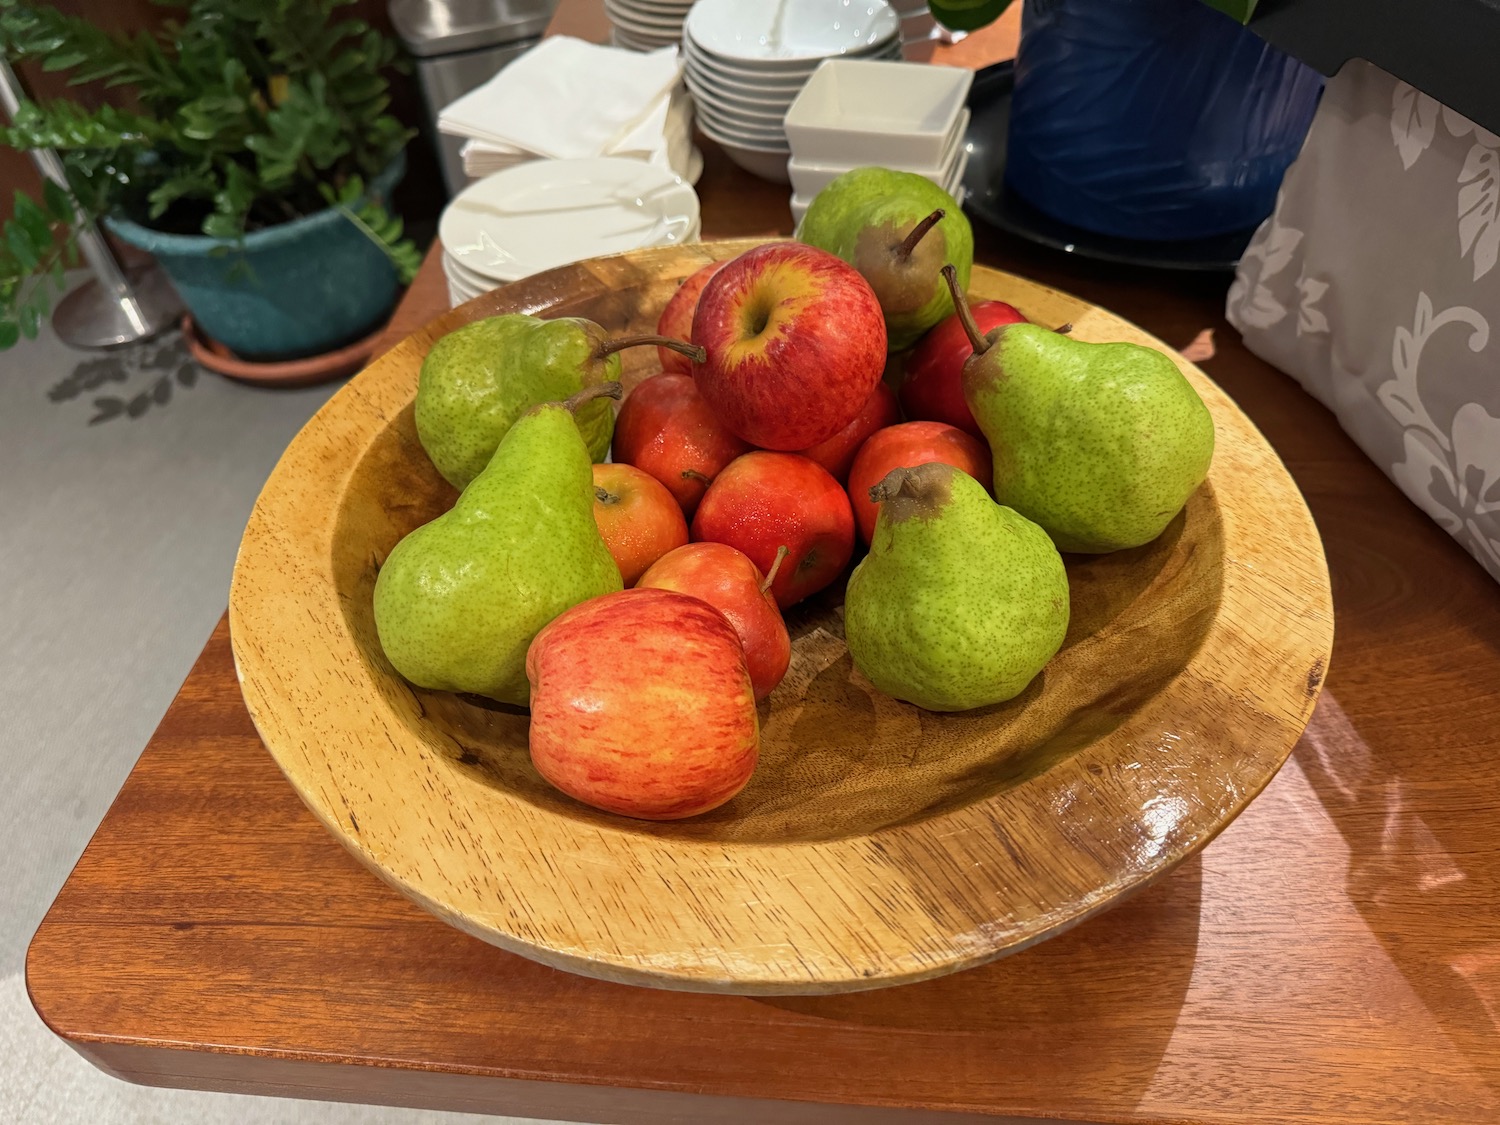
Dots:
{"x": 694, "y": 352}
{"x": 961, "y": 306}
{"x": 781, "y": 553}
{"x": 694, "y": 474}
{"x": 919, "y": 232}
{"x": 1064, "y": 329}
{"x": 589, "y": 394}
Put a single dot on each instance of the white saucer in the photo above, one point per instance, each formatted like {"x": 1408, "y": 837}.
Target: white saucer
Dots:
{"x": 547, "y": 213}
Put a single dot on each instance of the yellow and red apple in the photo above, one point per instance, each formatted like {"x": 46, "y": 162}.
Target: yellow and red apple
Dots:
{"x": 677, "y": 318}
{"x": 904, "y": 447}
{"x": 641, "y": 704}
{"x": 837, "y": 453}
{"x": 727, "y": 580}
{"x": 766, "y": 500}
{"x": 795, "y": 343}
{"x": 667, "y": 429}
{"x": 638, "y": 518}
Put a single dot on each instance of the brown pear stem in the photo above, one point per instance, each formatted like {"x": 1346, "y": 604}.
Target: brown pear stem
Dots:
{"x": 1064, "y": 329}
{"x": 919, "y": 232}
{"x": 694, "y": 352}
{"x": 965, "y": 315}
{"x": 781, "y": 553}
{"x": 694, "y": 474}
{"x": 589, "y": 394}
{"x": 886, "y": 490}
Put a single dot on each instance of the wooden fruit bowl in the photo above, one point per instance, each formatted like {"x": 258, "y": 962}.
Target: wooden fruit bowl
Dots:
{"x": 877, "y": 844}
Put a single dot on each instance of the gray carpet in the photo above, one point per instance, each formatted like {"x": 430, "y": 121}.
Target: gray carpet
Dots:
{"x": 125, "y": 481}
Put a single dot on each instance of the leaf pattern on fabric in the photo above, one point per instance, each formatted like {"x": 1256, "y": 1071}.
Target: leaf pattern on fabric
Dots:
{"x": 1454, "y": 477}
{"x": 1251, "y": 301}
{"x": 1401, "y": 395}
{"x": 1414, "y": 118}
{"x": 1461, "y": 126}
{"x": 1479, "y": 208}
{"x": 1309, "y": 317}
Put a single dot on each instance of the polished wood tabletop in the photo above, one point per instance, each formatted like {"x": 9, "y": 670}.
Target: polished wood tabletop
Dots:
{"x": 1334, "y": 957}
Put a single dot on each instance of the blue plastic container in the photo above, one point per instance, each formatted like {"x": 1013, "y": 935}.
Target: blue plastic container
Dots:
{"x": 298, "y": 289}
{"x": 1152, "y": 119}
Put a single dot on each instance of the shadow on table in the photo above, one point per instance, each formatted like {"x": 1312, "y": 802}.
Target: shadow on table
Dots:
{"x": 1092, "y": 1009}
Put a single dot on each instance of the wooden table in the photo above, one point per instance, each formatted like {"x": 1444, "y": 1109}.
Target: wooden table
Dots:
{"x": 1333, "y": 957}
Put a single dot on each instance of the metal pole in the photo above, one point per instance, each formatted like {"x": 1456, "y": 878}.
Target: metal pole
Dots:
{"x": 116, "y": 311}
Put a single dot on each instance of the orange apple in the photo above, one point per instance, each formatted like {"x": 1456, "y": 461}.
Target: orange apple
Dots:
{"x": 764, "y": 501}
{"x": 641, "y": 704}
{"x": 639, "y": 519}
{"x": 794, "y": 341}
{"x": 727, "y": 580}
{"x": 677, "y": 318}
{"x": 837, "y": 453}
{"x": 904, "y": 447}
{"x": 667, "y": 429}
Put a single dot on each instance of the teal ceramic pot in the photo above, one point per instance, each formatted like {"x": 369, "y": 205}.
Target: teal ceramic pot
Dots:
{"x": 298, "y": 289}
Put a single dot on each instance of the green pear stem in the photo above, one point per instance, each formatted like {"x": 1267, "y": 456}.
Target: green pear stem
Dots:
{"x": 919, "y": 232}
{"x": 781, "y": 553}
{"x": 694, "y": 474}
{"x": 965, "y": 316}
{"x": 694, "y": 352}
{"x": 589, "y": 394}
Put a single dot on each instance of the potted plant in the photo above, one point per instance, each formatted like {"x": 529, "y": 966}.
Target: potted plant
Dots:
{"x": 254, "y": 162}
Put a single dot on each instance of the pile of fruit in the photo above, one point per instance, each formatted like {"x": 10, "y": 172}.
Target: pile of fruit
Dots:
{"x": 636, "y": 606}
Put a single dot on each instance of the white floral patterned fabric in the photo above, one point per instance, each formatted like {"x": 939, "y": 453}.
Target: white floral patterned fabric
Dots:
{"x": 1375, "y": 284}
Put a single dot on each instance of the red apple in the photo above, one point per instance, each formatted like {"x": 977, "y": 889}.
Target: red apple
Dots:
{"x": 677, "y": 318}
{"x": 733, "y": 585}
{"x": 638, "y": 518}
{"x": 837, "y": 453}
{"x": 764, "y": 501}
{"x": 904, "y": 447}
{"x": 667, "y": 429}
{"x": 795, "y": 341}
{"x": 933, "y": 389}
{"x": 641, "y": 704}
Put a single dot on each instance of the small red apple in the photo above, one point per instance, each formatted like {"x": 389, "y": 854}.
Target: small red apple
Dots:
{"x": 795, "y": 343}
{"x": 667, "y": 429}
{"x": 904, "y": 447}
{"x": 837, "y": 453}
{"x": 638, "y": 518}
{"x": 933, "y": 389}
{"x": 641, "y": 704}
{"x": 733, "y": 585}
{"x": 764, "y": 501}
{"x": 677, "y": 318}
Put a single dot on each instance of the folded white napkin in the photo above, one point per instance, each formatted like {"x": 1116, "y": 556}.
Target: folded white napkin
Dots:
{"x": 566, "y": 98}
{"x": 663, "y": 137}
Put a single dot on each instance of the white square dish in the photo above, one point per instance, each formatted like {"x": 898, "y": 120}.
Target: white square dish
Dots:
{"x": 861, "y": 111}
{"x": 811, "y": 175}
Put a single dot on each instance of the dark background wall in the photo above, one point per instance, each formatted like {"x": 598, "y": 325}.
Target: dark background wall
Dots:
{"x": 419, "y": 199}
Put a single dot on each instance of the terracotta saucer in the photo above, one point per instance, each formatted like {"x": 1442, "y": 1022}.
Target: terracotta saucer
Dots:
{"x": 278, "y": 373}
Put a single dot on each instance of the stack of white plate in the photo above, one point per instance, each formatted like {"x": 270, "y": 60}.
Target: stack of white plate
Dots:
{"x": 645, "y": 25}
{"x": 746, "y": 62}
{"x": 548, "y": 213}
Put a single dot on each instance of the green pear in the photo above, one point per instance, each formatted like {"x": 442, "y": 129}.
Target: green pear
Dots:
{"x": 459, "y": 599}
{"x": 1101, "y": 444}
{"x": 897, "y": 229}
{"x": 477, "y": 380}
{"x": 961, "y": 601}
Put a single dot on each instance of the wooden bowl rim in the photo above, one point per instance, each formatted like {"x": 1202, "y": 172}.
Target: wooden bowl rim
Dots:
{"x": 797, "y": 917}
